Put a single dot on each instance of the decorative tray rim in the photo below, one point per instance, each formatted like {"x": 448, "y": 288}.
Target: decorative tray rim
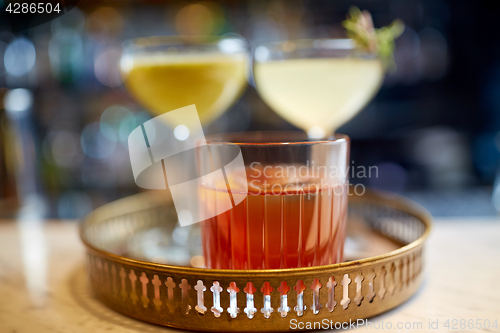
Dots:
{"x": 151, "y": 199}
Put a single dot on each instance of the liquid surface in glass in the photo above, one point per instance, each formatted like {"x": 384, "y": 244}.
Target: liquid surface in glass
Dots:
{"x": 318, "y": 92}
{"x": 165, "y": 82}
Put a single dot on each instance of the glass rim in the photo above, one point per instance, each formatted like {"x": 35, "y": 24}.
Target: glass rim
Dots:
{"x": 320, "y": 43}
{"x": 289, "y": 48}
{"x": 234, "y": 139}
{"x": 169, "y": 40}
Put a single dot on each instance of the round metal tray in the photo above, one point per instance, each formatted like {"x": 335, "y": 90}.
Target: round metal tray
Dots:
{"x": 127, "y": 270}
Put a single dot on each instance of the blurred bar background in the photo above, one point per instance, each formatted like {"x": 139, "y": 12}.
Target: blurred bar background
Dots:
{"x": 433, "y": 130}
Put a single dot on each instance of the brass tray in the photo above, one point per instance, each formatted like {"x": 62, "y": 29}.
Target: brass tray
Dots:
{"x": 128, "y": 281}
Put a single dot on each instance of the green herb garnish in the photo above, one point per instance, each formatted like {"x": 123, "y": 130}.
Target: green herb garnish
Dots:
{"x": 359, "y": 26}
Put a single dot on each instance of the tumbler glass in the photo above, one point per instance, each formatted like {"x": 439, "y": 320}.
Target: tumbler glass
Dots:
{"x": 291, "y": 202}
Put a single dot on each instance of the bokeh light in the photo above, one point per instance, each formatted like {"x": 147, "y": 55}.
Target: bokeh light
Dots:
{"x": 104, "y": 22}
{"x": 181, "y": 132}
{"x": 95, "y": 144}
{"x": 106, "y": 67}
{"x": 19, "y": 57}
{"x": 18, "y": 100}
{"x": 117, "y": 122}
{"x": 65, "y": 148}
{"x": 203, "y": 18}
{"x": 66, "y": 55}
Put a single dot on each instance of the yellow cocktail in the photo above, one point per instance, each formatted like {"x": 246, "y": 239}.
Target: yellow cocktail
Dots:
{"x": 168, "y": 73}
{"x": 317, "y": 85}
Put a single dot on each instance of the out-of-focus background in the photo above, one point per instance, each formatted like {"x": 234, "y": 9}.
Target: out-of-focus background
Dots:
{"x": 433, "y": 130}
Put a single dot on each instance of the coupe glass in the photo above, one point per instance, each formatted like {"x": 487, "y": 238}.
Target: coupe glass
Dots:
{"x": 316, "y": 84}
{"x": 170, "y": 72}
{"x": 293, "y": 210}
